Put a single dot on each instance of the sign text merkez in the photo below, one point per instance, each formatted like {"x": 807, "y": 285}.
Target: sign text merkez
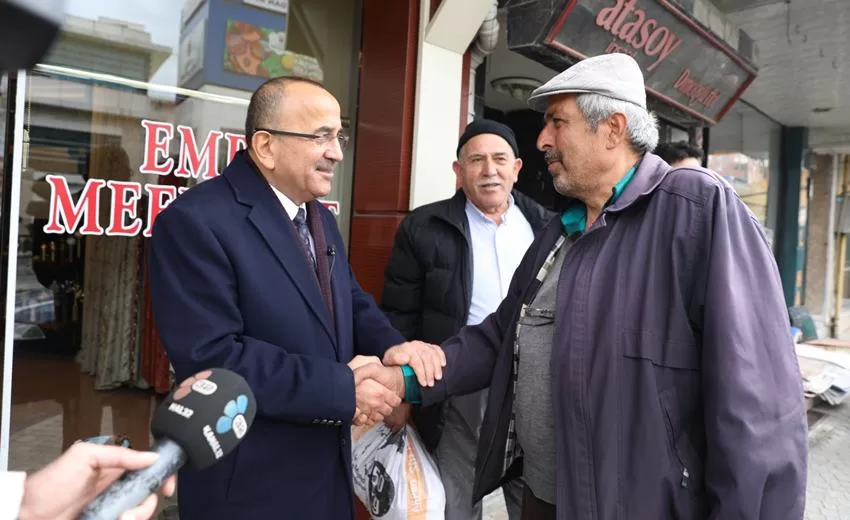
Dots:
{"x": 684, "y": 65}
{"x": 127, "y": 209}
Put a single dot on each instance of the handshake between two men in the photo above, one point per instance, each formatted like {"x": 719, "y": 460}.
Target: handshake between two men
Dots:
{"x": 380, "y": 384}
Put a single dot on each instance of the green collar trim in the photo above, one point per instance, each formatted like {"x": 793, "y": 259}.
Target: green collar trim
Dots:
{"x": 574, "y": 219}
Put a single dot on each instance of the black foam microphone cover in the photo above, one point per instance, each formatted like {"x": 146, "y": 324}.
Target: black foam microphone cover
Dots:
{"x": 200, "y": 422}
{"x": 28, "y": 29}
{"x": 207, "y": 415}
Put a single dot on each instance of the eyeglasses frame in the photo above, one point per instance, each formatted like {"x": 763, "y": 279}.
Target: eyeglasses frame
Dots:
{"x": 341, "y": 137}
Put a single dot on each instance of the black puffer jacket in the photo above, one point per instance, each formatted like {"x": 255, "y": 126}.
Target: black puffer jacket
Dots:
{"x": 428, "y": 279}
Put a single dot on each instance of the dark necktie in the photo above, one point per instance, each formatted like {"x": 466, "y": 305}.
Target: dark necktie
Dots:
{"x": 300, "y": 222}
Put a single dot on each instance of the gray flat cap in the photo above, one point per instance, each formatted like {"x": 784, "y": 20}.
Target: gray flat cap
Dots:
{"x": 614, "y": 75}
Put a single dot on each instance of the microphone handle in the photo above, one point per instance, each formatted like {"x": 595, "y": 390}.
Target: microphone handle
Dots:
{"x": 135, "y": 486}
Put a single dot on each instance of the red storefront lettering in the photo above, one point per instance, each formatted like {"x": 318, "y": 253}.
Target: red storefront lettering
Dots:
{"x": 65, "y": 216}
{"x": 235, "y": 142}
{"x": 155, "y": 146}
{"x": 696, "y": 91}
{"x": 642, "y": 34}
{"x": 191, "y": 160}
{"x": 124, "y": 196}
{"x": 159, "y": 197}
{"x": 121, "y": 208}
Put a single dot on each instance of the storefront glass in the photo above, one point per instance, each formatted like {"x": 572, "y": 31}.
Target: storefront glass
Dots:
{"x": 802, "y": 236}
{"x": 137, "y": 102}
{"x": 4, "y": 86}
{"x": 744, "y": 148}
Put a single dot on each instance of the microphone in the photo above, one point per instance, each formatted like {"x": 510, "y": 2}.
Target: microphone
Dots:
{"x": 200, "y": 422}
{"x": 332, "y": 254}
{"x": 28, "y": 29}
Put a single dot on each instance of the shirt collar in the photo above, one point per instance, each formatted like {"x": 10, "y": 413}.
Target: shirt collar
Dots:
{"x": 470, "y": 207}
{"x": 290, "y": 207}
{"x": 574, "y": 219}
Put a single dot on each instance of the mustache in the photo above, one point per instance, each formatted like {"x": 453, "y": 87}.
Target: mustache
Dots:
{"x": 326, "y": 165}
{"x": 552, "y": 156}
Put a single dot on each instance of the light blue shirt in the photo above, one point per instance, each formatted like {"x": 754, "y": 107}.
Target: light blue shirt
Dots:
{"x": 497, "y": 250}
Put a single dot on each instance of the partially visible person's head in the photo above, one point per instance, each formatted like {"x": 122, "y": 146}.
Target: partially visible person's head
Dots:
{"x": 596, "y": 123}
{"x": 487, "y": 165}
{"x": 680, "y": 154}
{"x": 300, "y": 166}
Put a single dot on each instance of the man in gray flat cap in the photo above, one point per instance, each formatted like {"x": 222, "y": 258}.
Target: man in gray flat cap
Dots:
{"x": 641, "y": 366}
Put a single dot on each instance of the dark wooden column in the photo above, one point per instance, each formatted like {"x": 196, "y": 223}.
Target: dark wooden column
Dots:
{"x": 384, "y": 134}
{"x": 384, "y": 139}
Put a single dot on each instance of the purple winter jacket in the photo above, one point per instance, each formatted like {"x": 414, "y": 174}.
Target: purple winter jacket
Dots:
{"x": 676, "y": 389}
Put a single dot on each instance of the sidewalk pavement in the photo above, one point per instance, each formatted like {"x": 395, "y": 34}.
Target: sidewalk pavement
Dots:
{"x": 494, "y": 506}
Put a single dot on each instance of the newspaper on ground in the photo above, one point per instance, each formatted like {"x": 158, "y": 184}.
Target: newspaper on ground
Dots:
{"x": 825, "y": 372}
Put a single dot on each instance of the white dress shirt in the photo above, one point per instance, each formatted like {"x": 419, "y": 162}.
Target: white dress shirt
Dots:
{"x": 497, "y": 250}
{"x": 290, "y": 207}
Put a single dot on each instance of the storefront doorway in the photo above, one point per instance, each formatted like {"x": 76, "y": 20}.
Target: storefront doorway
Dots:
{"x": 134, "y": 104}
{"x": 691, "y": 87}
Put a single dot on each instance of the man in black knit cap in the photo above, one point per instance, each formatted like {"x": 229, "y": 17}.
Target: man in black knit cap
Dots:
{"x": 451, "y": 266}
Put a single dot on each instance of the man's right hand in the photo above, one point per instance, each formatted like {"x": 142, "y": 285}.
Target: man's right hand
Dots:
{"x": 378, "y": 391}
{"x": 399, "y": 418}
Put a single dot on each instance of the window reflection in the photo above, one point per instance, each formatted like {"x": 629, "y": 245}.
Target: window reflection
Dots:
{"x": 137, "y": 102}
{"x": 4, "y": 86}
{"x": 743, "y": 149}
{"x": 802, "y": 236}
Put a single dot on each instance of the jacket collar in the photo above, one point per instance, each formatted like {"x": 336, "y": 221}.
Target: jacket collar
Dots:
{"x": 274, "y": 225}
{"x": 574, "y": 218}
{"x": 249, "y": 185}
{"x": 536, "y": 215}
{"x": 650, "y": 173}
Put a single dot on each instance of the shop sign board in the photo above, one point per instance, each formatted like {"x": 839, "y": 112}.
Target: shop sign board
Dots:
{"x": 684, "y": 64}
{"x": 190, "y": 60}
{"x": 278, "y": 6}
{"x": 189, "y": 9}
{"x": 195, "y": 160}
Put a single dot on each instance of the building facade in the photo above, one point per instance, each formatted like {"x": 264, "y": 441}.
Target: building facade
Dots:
{"x": 138, "y": 102}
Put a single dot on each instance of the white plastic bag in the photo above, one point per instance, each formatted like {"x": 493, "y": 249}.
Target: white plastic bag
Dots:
{"x": 394, "y": 476}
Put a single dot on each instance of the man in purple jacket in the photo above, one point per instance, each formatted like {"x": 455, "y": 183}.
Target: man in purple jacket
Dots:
{"x": 641, "y": 366}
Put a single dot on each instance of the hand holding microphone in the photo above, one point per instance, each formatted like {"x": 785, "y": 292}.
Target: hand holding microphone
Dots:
{"x": 200, "y": 422}
{"x": 60, "y": 490}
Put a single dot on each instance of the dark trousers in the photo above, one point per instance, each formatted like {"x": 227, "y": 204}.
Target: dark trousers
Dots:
{"x": 535, "y": 509}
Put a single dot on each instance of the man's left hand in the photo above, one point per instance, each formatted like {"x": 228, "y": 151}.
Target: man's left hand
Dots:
{"x": 426, "y": 360}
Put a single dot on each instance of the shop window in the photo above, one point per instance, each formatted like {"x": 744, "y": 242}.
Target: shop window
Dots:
{"x": 802, "y": 237}
{"x": 743, "y": 148}
{"x": 4, "y": 86}
{"x": 109, "y": 141}
{"x": 846, "y": 288}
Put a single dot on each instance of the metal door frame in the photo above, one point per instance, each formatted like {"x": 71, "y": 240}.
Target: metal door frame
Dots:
{"x": 11, "y": 209}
